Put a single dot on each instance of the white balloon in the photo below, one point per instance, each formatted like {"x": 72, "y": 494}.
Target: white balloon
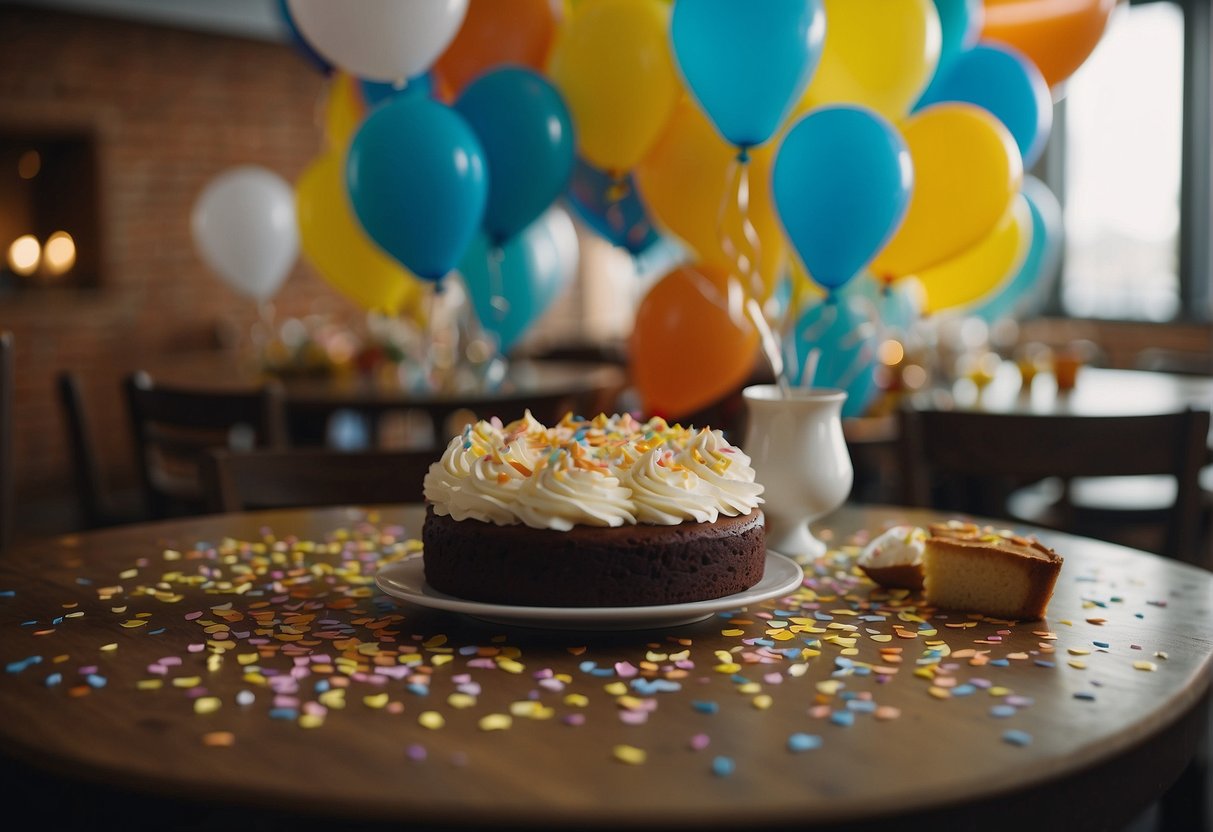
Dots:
{"x": 380, "y": 40}
{"x": 563, "y": 234}
{"x": 245, "y": 230}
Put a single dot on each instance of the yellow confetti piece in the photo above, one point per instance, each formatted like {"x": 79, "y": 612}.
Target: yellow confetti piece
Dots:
{"x": 630, "y": 754}
{"x": 109, "y": 648}
{"x": 510, "y": 666}
{"x": 187, "y": 681}
{"x": 375, "y": 700}
{"x": 998, "y": 690}
{"x": 749, "y": 687}
{"x": 615, "y": 688}
{"x": 727, "y": 668}
{"x": 939, "y": 693}
{"x": 311, "y": 721}
{"x": 461, "y": 700}
{"x": 440, "y": 660}
{"x": 882, "y": 638}
{"x": 1078, "y": 664}
{"x": 762, "y": 701}
{"x": 1149, "y": 667}
{"x": 133, "y": 623}
{"x": 829, "y": 687}
{"x": 207, "y": 704}
{"x": 126, "y": 574}
{"x": 495, "y": 722}
{"x": 577, "y": 700}
{"x": 149, "y": 684}
{"x": 1078, "y": 651}
{"x": 431, "y": 719}
{"x": 219, "y": 739}
{"x": 530, "y": 709}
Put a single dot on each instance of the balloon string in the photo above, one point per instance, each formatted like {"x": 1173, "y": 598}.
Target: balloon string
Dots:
{"x": 497, "y": 298}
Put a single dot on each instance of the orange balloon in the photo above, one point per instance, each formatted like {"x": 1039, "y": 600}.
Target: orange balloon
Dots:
{"x": 692, "y": 343}
{"x": 1057, "y": 35}
{"x": 685, "y": 182}
{"x": 493, "y": 33}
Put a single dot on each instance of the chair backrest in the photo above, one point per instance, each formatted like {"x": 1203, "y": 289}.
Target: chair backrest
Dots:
{"x": 300, "y": 477}
{"x": 85, "y": 474}
{"x": 7, "y": 485}
{"x": 985, "y": 455}
{"x": 173, "y": 428}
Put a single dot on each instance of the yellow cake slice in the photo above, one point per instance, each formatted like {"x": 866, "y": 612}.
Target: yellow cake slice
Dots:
{"x": 996, "y": 573}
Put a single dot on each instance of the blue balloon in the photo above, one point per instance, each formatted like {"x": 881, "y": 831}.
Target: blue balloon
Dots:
{"x": 960, "y": 27}
{"x": 512, "y": 286}
{"x": 834, "y": 344}
{"x": 841, "y": 185}
{"x": 1025, "y": 293}
{"x": 375, "y": 93}
{"x": 897, "y": 304}
{"x": 527, "y": 135}
{"x": 611, "y": 208}
{"x": 299, "y": 42}
{"x": 747, "y": 63}
{"x": 417, "y": 183}
{"x": 1008, "y": 85}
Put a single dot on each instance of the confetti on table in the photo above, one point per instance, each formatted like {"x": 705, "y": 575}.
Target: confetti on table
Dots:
{"x": 1017, "y": 737}
{"x": 630, "y": 754}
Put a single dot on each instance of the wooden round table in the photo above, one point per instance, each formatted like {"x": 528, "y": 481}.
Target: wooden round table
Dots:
{"x": 245, "y": 669}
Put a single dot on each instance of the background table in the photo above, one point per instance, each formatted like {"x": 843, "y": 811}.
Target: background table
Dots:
{"x": 239, "y": 664}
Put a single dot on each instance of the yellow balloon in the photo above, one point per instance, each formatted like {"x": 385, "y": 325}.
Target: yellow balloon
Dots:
{"x": 980, "y": 270}
{"x": 878, "y": 53}
{"x": 689, "y": 182}
{"x": 342, "y": 109}
{"x": 614, "y": 66}
{"x": 967, "y": 169}
{"x": 338, "y": 247}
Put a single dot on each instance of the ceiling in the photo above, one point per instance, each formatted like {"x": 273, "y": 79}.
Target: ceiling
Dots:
{"x": 259, "y": 19}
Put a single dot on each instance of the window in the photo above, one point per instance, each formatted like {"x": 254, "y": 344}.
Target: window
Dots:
{"x": 1130, "y": 164}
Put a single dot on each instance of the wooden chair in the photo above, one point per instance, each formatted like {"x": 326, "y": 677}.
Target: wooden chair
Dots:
{"x": 972, "y": 461}
{"x": 96, "y": 506}
{"x": 173, "y": 429}
{"x": 7, "y": 485}
{"x": 300, "y": 477}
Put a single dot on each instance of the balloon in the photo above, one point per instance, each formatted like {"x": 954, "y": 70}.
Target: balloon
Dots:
{"x": 1026, "y": 291}
{"x": 338, "y": 247}
{"x": 299, "y": 42}
{"x": 835, "y": 345}
{"x": 691, "y": 344}
{"x": 1056, "y": 35}
{"x": 685, "y": 181}
{"x": 243, "y": 225}
{"x": 959, "y": 27}
{"x": 878, "y": 53}
{"x": 1003, "y": 81}
{"x": 842, "y": 182}
{"x": 977, "y": 271}
{"x": 613, "y": 65}
{"x": 611, "y": 209}
{"x": 898, "y": 304}
{"x": 348, "y": 99}
{"x": 417, "y": 180}
{"x": 967, "y": 168}
{"x": 527, "y": 137}
{"x": 747, "y": 63}
{"x": 493, "y": 34}
{"x": 512, "y": 292}
{"x": 383, "y": 40}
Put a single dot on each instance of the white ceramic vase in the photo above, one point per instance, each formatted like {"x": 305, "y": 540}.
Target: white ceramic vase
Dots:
{"x": 795, "y": 442}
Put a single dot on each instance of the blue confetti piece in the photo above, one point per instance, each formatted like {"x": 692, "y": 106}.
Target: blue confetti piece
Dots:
{"x": 803, "y": 742}
{"x": 723, "y": 766}
{"x": 84, "y": 581}
{"x": 1016, "y": 737}
{"x": 95, "y": 681}
{"x": 1044, "y": 663}
{"x": 1102, "y": 644}
{"x": 655, "y": 685}
{"x": 1085, "y": 695}
{"x": 284, "y": 713}
{"x": 705, "y": 707}
{"x": 1002, "y": 711}
{"x": 19, "y": 666}
{"x": 7, "y": 593}
{"x": 821, "y": 616}
{"x": 1001, "y": 662}
{"x": 54, "y": 679}
{"x": 32, "y": 622}
{"x": 844, "y": 718}
{"x": 322, "y": 685}
{"x": 861, "y": 706}
{"x": 156, "y": 631}
{"x": 57, "y": 620}
{"x": 587, "y": 666}
{"x": 419, "y": 690}
{"x": 963, "y": 690}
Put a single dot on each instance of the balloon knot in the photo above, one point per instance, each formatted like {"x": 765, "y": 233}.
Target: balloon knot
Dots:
{"x": 743, "y": 154}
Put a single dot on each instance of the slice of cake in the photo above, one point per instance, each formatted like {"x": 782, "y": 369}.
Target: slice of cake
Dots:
{"x": 592, "y": 513}
{"x": 893, "y": 558}
{"x": 993, "y": 572}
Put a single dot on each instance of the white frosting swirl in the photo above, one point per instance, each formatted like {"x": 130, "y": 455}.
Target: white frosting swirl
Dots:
{"x": 608, "y": 471}
{"x": 896, "y": 546}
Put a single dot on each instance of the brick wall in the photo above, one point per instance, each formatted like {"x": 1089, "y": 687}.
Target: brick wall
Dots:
{"x": 169, "y": 109}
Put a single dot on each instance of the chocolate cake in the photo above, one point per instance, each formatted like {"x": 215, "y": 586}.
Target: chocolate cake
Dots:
{"x": 592, "y": 513}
